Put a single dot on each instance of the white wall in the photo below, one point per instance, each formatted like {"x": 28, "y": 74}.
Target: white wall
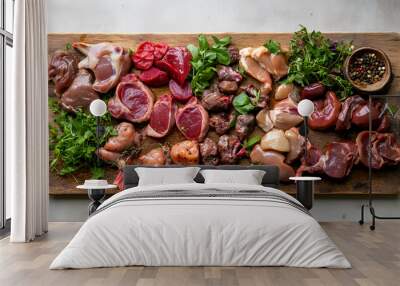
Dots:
{"x": 127, "y": 16}
{"x": 151, "y": 16}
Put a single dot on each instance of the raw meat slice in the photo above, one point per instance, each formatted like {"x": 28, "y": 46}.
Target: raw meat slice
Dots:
{"x": 162, "y": 118}
{"x": 108, "y": 62}
{"x": 63, "y": 67}
{"x": 80, "y": 93}
{"x": 336, "y": 162}
{"x": 385, "y": 150}
{"x": 144, "y": 56}
{"x": 326, "y": 112}
{"x": 133, "y": 100}
{"x": 154, "y": 77}
{"x": 192, "y": 120}
{"x": 181, "y": 93}
{"x": 176, "y": 62}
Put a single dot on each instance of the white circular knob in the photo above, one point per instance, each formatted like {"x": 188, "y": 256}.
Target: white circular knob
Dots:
{"x": 305, "y": 107}
{"x": 98, "y": 107}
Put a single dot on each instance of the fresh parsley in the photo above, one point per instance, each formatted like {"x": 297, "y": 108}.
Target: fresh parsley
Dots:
{"x": 73, "y": 141}
{"x": 205, "y": 58}
{"x": 314, "y": 58}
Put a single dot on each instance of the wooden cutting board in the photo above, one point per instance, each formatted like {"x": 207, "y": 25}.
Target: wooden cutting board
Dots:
{"x": 385, "y": 182}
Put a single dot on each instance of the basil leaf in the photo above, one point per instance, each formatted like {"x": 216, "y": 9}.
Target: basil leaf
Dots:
{"x": 194, "y": 51}
{"x": 68, "y": 46}
{"x": 203, "y": 43}
{"x": 223, "y": 58}
{"x": 242, "y": 103}
{"x": 205, "y": 58}
{"x": 253, "y": 140}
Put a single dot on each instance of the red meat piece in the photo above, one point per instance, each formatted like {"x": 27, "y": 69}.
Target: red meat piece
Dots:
{"x": 144, "y": 56}
{"x": 154, "y": 77}
{"x": 181, "y": 93}
{"x": 192, "y": 120}
{"x": 176, "y": 62}
{"x": 162, "y": 117}
{"x": 133, "y": 100}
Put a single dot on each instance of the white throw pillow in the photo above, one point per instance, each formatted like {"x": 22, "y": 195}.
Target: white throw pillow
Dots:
{"x": 248, "y": 177}
{"x": 166, "y": 176}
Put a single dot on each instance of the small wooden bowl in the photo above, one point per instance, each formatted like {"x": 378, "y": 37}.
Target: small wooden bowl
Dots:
{"x": 377, "y": 86}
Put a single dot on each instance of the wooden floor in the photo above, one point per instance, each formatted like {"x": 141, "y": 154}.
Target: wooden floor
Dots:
{"x": 375, "y": 257}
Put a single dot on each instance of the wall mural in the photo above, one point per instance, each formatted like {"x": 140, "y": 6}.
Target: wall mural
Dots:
{"x": 196, "y": 99}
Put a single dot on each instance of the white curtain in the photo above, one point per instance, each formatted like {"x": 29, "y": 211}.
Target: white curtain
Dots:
{"x": 27, "y": 124}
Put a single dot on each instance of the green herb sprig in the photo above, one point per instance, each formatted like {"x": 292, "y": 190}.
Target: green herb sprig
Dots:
{"x": 273, "y": 46}
{"x": 205, "y": 58}
{"x": 245, "y": 104}
{"x": 73, "y": 141}
{"x": 314, "y": 58}
{"x": 250, "y": 142}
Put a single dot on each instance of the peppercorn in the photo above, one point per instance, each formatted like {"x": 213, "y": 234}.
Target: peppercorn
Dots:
{"x": 366, "y": 69}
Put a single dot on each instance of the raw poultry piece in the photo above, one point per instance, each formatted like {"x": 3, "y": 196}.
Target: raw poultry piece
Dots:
{"x": 133, "y": 100}
{"x": 80, "y": 93}
{"x": 336, "y": 162}
{"x": 222, "y": 122}
{"x": 275, "y": 64}
{"x": 385, "y": 150}
{"x": 254, "y": 69}
{"x": 162, "y": 117}
{"x": 264, "y": 120}
{"x": 230, "y": 149}
{"x": 62, "y": 69}
{"x": 209, "y": 152}
{"x": 260, "y": 157}
{"x": 109, "y": 62}
{"x": 185, "y": 153}
{"x": 154, "y": 77}
{"x": 244, "y": 125}
{"x": 297, "y": 144}
{"x": 213, "y": 100}
{"x": 176, "y": 62}
{"x": 326, "y": 112}
{"x": 355, "y": 110}
{"x": 283, "y": 91}
{"x": 155, "y": 157}
{"x": 283, "y": 116}
{"x": 192, "y": 120}
{"x": 180, "y": 93}
{"x": 275, "y": 139}
{"x": 126, "y": 139}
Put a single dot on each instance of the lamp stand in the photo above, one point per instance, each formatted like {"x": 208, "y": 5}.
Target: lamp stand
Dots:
{"x": 306, "y": 139}
{"x": 99, "y": 133}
